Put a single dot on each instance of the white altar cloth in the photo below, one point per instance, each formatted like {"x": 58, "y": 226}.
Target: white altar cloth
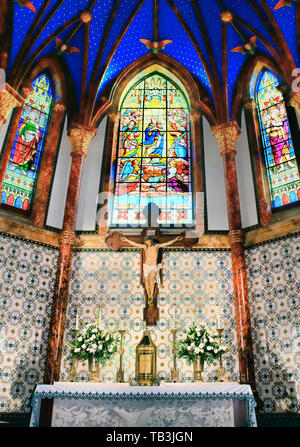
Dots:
{"x": 169, "y": 405}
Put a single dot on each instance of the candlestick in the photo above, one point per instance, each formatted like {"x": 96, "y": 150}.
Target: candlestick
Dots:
{"x": 221, "y": 370}
{"x": 120, "y": 371}
{"x": 174, "y": 319}
{"x": 72, "y": 377}
{"x": 174, "y": 370}
{"x": 218, "y": 316}
{"x": 100, "y": 326}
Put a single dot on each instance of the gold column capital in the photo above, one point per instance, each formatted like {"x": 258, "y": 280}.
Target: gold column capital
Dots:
{"x": 9, "y": 99}
{"x": 295, "y": 101}
{"x": 227, "y": 135}
{"x": 80, "y": 138}
{"x": 67, "y": 238}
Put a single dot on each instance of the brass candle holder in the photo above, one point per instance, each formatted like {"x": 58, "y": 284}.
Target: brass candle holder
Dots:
{"x": 72, "y": 377}
{"x": 174, "y": 370}
{"x": 221, "y": 370}
{"x": 120, "y": 371}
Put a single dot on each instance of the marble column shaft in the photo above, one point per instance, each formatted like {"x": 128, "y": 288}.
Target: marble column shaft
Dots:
{"x": 227, "y": 136}
{"x": 80, "y": 139}
{"x": 47, "y": 166}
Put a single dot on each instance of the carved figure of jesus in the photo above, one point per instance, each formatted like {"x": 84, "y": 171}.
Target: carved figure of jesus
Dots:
{"x": 151, "y": 268}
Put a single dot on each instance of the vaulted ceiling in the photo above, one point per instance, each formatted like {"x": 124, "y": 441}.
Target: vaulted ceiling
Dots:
{"x": 104, "y": 36}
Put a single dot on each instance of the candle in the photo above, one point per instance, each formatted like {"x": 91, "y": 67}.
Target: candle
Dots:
{"x": 218, "y": 316}
{"x": 122, "y": 324}
{"x": 100, "y": 320}
{"x": 77, "y": 322}
{"x": 174, "y": 319}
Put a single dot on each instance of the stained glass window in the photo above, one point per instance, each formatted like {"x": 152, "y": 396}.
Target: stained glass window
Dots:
{"x": 25, "y": 158}
{"x": 281, "y": 163}
{"x": 153, "y": 164}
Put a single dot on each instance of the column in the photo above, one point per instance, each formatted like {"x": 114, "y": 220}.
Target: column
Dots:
{"x": 227, "y": 136}
{"x": 80, "y": 139}
{"x": 196, "y": 137}
{"x": 109, "y": 166}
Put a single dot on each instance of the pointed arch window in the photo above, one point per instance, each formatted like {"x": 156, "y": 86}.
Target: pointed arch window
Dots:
{"x": 279, "y": 151}
{"x": 22, "y": 170}
{"x": 153, "y": 159}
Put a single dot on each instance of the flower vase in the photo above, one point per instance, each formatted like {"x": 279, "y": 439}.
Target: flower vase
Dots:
{"x": 94, "y": 369}
{"x": 198, "y": 368}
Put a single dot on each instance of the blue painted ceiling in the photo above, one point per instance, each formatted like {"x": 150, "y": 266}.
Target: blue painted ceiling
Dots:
{"x": 178, "y": 20}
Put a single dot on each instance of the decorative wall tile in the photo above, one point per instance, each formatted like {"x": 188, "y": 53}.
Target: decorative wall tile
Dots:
{"x": 27, "y": 275}
{"x": 194, "y": 281}
{"x": 273, "y": 279}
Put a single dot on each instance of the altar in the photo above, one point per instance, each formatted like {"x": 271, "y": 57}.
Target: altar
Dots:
{"x": 169, "y": 405}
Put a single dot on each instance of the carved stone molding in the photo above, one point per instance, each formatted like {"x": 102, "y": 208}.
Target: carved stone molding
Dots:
{"x": 227, "y": 135}
{"x": 114, "y": 117}
{"x": 236, "y": 237}
{"x": 195, "y": 116}
{"x": 67, "y": 238}
{"x": 26, "y": 91}
{"x": 250, "y": 105}
{"x": 80, "y": 139}
{"x": 59, "y": 107}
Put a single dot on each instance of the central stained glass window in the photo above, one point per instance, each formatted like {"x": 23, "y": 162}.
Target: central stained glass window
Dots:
{"x": 153, "y": 163}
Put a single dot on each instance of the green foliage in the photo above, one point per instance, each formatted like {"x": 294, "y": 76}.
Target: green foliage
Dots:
{"x": 197, "y": 341}
{"x": 95, "y": 342}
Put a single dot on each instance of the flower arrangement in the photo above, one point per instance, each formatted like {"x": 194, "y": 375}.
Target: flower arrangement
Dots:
{"x": 94, "y": 342}
{"x": 198, "y": 342}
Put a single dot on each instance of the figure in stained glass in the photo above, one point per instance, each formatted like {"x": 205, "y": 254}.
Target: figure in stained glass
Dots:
{"x": 154, "y": 140}
{"x": 277, "y": 130}
{"x": 130, "y": 144}
{"x": 129, "y": 171}
{"x": 178, "y": 130}
{"x": 281, "y": 165}
{"x": 24, "y": 162}
{"x": 26, "y": 144}
{"x": 174, "y": 180}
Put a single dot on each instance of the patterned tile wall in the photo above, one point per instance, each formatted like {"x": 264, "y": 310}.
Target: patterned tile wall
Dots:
{"x": 27, "y": 275}
{"x": 194, "y": 281}
{"x": 273, "y": 279}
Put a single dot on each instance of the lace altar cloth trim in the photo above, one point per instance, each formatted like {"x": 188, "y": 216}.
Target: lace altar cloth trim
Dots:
{"x": 177, "y": 405}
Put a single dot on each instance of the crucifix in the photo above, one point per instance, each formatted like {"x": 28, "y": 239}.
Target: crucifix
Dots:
{"x": 151, "y": 273}
{"x": 151, "y": 258}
